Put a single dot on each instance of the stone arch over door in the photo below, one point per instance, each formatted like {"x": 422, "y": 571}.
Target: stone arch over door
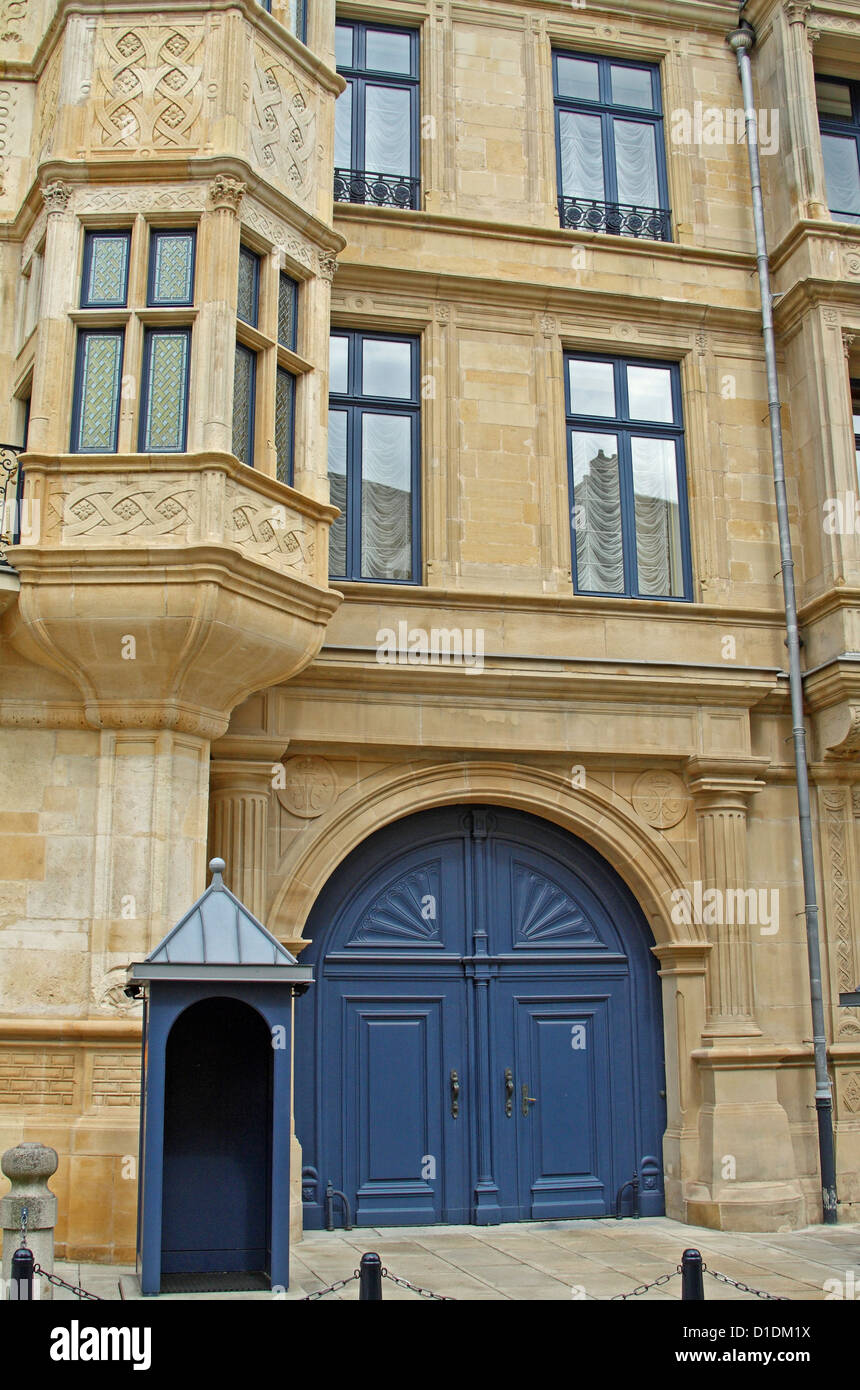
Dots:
{"x": 643, "y": 858}
{"x": 485, "y": 1040}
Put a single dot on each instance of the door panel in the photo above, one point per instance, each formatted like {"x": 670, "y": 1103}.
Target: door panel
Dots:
{"x": 403, "y": 1151}
{"x": 563, "y": 1055}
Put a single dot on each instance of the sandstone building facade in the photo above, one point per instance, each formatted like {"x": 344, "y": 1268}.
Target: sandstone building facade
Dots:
{"x": 396, "y": 521}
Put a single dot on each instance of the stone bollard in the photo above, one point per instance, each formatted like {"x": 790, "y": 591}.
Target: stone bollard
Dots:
{"x": 28, "y": 1167}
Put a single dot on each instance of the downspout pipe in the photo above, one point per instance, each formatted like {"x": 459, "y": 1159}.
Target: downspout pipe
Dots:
{"x": 742, "y": 41}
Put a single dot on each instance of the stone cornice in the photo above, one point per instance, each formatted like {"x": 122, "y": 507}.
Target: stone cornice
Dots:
{"x": 121, "y": 169}
{"x": 513, "y": 680}
{"x": 107, "y": 1031}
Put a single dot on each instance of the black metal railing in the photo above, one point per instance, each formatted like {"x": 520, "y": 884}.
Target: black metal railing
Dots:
{"x": 381, "y": 190}
{"x": 11, "y": 489}
{"x": 618, "y": 219}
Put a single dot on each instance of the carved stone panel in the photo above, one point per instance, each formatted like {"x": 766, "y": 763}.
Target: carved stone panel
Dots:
{"x": 283, "y": 124}
{"x": 149, "y": 91}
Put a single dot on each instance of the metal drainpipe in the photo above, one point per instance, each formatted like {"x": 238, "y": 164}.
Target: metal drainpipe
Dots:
{"x": 742, "y": 40}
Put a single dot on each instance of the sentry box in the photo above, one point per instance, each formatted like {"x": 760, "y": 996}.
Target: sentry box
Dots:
{"x": 214, "y": 1192}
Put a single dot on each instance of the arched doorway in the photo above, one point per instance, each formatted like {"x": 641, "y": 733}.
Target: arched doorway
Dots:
{"x": 217, "y": 1140}
{"x": 485, "y": 1042}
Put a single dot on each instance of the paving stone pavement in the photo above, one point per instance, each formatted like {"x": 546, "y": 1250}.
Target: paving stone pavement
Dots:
{"x": 541, "y": 1260}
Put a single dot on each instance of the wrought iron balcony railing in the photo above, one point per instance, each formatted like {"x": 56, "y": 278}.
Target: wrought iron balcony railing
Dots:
{"x": 618, "y": 219}
{"x": 382, "y": 190}
{"x": 11, "y": 485}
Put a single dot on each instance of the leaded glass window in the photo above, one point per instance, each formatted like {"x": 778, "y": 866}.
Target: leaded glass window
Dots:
{"x": 629, "y": 528}
{"x": 244, "y": 387}
{"x": 374, "y": 421}
{"x": 104, "y": 283}
{"x": 164, "y": 393}
{"x": 171, "y": 269}
{"x": 287, "y": 301}
{"x": 248, "y": 305}
{"x": 839, "y": 119}
{"x": 98, "y": 378}
{"x": 285, "y": 405}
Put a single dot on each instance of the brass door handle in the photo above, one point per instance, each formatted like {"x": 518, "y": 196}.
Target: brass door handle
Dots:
{"x": 509, "y": 1092}
{"x": 455, "y": 1094}
{"x": 527, "y": 1100}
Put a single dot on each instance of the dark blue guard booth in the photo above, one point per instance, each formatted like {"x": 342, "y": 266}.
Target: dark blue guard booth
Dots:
{"x": 214, "y": 1191}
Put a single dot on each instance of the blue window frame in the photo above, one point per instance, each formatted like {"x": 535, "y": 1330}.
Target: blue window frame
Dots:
{"x": 285, "y": 415}
{"x": 248, "y": 295}
{"x": 377, "y": 147}
{"x": 839, "y": 120}
{"x": 627, "y": 475}
{"x": 374, "y": 457}
{"x": 170, "y": 282}
{"x": 104, "y": 279}
{"x": 244, "y": 403}
{"x": 98, "y": 379}
{"x": 288, "y": 299}
{"x": 164, "y": 390}
{"x": 610, "y": 146}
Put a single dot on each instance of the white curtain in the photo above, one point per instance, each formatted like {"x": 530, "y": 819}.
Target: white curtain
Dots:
{"x": 337, "y": 488}
{"x": 597, "y": 515}
{"x": 343, "y": 129}
{"x": 386, "y": 501}
{"x": 636, "y": 164}
{"x": 581, "y": 156}
{"x": 387, "y": 131}
{"x": 658, "y": 523}
{"x": 843, "y": 174}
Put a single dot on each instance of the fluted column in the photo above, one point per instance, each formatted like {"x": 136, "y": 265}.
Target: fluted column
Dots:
{"x": 721, "y": 794}
{"x": 238, "y": 826}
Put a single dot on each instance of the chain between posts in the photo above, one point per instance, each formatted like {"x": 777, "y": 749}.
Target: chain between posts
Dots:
{"x": 425, "y": 1293}
{"x": 643, "y": 1288}
{"x": 332, "y": 1288}
{"x": 61, "y": 1284}
{"x": 745, "y": 1288}
{"x": 394, "y": 1279}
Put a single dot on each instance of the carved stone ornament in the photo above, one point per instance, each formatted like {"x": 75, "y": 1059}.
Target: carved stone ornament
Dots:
{"x": 310, "y": 787}
{"x": 326, "y": 265}
{"x": 226, "y": 193}
{"x": 56, "y": 196}
{"x": 660, "y": 798}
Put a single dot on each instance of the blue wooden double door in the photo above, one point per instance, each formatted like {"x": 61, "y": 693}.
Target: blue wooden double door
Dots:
{"x": 483, "y": 1041}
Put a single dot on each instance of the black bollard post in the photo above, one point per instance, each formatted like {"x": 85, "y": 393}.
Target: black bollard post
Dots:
{"x": 21, "y": 1275}
{"x": 692, "y": 1283}
{"x": 370, "y": 1278}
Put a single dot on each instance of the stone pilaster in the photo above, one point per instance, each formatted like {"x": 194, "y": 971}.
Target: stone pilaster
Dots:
{"x": 239, "y": 814}
{"x": 683, "y": 968}
{"x": 218, "y": 259}
{"x": 801, "y": 111}
{"x": 743, "y": 1129}
{"x": 721, "y": 795}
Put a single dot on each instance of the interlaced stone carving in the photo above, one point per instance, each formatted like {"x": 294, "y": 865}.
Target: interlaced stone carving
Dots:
{"x": 150, "y": 92}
